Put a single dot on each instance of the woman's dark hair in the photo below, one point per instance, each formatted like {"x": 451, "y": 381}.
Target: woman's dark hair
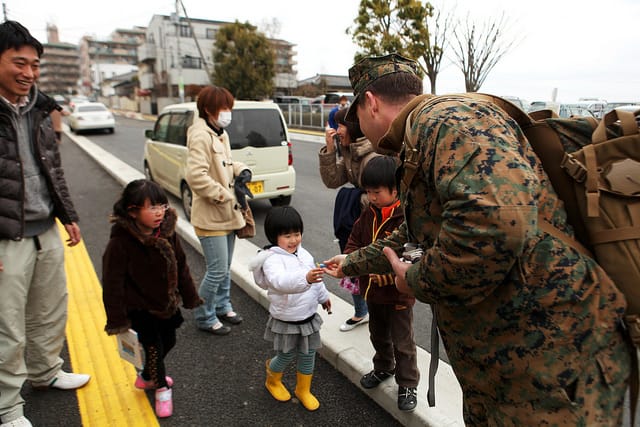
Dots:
{"x": 282, "y": 220}
{"x": 14, "y": 36}
{"x": 134, "y": 195}
{"x": 353, "y": 128}
{"x": 380, "y": 171}
{"x": 212, "y": 99}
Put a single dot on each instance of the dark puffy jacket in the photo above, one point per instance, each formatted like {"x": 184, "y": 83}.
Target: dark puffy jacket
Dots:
{"x": 48, "y": 158}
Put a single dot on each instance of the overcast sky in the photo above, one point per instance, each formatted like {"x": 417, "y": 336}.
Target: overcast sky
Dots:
{"x": 582, "y": 48}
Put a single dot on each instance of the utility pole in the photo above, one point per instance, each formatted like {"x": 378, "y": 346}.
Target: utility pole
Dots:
{"x": 195, "y": 39}
{"x": 4, "y": 11}
{"x": 178, "y": 34}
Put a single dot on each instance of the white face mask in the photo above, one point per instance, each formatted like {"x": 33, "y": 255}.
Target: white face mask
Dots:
{"x": 224, "y": 119}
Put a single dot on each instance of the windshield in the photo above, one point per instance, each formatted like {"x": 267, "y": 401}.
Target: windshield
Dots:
{"x": 256, "y": 128}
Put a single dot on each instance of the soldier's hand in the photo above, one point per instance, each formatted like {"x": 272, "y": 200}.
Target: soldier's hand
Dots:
{"x": 333, "y": 266}
{"x": 400, "y": 269}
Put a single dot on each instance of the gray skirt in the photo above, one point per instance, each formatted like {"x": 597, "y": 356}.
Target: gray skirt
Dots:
{"x": 288, "y": 336}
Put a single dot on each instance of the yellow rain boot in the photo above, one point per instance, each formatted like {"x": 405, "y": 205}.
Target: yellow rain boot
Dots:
{"x": 275, "y": 386}
{"x": 303, "y": 392}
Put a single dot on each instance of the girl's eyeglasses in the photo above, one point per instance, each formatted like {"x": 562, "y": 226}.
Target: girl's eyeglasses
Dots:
{"x": 154, "y": 208}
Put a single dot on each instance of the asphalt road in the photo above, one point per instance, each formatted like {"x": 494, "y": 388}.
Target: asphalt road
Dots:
{"x": 218, "y": 380}
{"x": 312, "y": 199}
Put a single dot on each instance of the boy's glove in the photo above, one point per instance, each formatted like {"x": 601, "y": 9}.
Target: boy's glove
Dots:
{"x": 240, "y": 187}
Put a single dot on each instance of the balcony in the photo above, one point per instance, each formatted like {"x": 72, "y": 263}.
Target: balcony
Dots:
{"x": 190, "y": 76}
{"x": 147, "y": 52}
{"x": 146, "y": 80}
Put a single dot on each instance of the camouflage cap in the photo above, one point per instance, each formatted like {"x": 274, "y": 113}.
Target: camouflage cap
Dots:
{"x": 370, "y": 69}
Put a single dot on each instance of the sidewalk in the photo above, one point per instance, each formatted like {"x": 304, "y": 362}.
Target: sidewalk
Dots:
{"x": 350, "y": 353}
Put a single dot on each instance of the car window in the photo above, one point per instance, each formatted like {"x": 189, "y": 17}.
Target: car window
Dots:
{"x": 177, "y": 130}
{"x": 90, "y": 108}
{"x": 256, "y": 128}
{"x": 161, "y": 128}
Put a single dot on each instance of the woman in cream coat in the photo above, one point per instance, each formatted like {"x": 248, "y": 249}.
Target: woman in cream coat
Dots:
{"x": 216, "y": 210}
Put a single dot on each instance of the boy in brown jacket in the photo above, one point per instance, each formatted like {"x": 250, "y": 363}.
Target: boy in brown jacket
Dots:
{"x": 390, "y": 312}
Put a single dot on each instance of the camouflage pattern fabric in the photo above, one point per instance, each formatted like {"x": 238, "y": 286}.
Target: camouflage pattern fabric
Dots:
{"x": 531, "y": 327}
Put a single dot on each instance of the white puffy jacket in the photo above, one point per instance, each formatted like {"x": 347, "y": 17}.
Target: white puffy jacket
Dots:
{"x": 283, "y": 275}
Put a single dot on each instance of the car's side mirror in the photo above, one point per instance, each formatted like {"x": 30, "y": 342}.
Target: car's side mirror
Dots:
{"x": 148, "y": 133}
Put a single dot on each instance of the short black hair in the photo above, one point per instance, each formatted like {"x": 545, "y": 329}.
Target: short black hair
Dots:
{"x": 380, "y": 171}
{"x": 282, "y": 220}
{"x": 394, "y": 88}
{"x": 14, "y": 36}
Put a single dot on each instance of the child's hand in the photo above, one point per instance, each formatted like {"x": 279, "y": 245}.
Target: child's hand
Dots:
{"x": 315, "y": 275}
{"x": 327, "y": 306}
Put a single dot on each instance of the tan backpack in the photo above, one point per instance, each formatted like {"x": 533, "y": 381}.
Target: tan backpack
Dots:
{"x": 594, "y": 167}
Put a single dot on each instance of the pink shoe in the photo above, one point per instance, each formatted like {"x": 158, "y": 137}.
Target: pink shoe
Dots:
{"x": 142, "y": 384}
{"x": 164, "y": 402}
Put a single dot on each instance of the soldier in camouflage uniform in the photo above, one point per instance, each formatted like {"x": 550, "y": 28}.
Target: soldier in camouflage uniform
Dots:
{"x": 530, "y": 325}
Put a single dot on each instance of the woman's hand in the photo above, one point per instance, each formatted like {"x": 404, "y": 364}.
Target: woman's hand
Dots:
{"x": 329, "y": 136}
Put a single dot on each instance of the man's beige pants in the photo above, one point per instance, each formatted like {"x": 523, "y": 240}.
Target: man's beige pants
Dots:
{"x": 33, "y": 315}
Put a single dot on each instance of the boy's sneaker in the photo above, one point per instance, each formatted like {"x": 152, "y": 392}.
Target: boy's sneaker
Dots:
{"x": 374, "y": 378}
{"x": 407, "y": 398}
{"x": 164, "y": 402}
{"x": 350, "y": 323}
{"x": 143, "y": 384}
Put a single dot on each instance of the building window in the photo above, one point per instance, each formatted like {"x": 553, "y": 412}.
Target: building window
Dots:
{"x": 185, "y": 31}
{"x": 191, "y": 62}
{"x": 211, "y": 33}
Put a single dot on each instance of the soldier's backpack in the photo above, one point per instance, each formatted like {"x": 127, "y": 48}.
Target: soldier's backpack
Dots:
{"x": 594, "y": 167}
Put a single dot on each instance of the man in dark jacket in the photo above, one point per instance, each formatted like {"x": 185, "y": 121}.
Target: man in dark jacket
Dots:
{"x": 33, "y": 190}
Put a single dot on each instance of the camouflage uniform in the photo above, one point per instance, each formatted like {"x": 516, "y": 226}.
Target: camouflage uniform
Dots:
{"x": 530, "y": 325}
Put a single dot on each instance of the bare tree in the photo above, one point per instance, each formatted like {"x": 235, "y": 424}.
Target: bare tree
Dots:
{"x": 270, "y": 28}
{"x": 479, "y": 48}
{"x": 439, "y": 24}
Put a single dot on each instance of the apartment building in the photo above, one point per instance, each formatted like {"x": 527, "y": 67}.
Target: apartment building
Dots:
{"x": 177, "y": 54}
{"x": 101, "y": 60}
{"x": 59, "y": 65}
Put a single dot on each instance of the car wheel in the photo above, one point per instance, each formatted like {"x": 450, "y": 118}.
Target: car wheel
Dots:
{"x": 187, "y": 197}
{"x": 147, "y": 172}
{"x": 281, "y": 201}
{"x": 111, "y": 130}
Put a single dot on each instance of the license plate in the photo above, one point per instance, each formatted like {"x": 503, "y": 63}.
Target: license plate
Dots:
{"x": 256, "y": 187}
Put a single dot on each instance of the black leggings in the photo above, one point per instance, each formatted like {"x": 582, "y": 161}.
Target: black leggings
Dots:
{"x": 158, "y": 337}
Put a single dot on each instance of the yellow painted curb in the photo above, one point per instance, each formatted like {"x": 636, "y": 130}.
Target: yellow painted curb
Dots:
{"x": 109, "y": 399}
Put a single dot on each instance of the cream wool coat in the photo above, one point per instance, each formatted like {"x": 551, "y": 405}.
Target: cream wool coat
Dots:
{"x": 210, "y": 174}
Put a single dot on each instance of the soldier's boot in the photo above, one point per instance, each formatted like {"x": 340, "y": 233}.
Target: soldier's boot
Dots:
{"x": 303, "y": 392}
{"x": 275, "y": 386}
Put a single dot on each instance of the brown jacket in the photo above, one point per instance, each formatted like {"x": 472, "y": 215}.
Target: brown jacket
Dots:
{"x": 336, "y": 171}
{"x": 145, "y": 272}
{"x": 377, "y": 288}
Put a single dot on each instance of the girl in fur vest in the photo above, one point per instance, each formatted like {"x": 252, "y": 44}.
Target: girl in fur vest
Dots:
{"x": 294, "y": 288}
{"x": 145, "y": 278}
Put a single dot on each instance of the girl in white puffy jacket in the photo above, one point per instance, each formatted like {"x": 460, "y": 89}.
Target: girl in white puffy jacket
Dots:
{"x": 295, "y": 288}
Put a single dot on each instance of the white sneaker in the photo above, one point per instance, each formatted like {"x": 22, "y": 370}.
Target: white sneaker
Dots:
{"x": 350, "y": 323}
{"x": 18, "y": 422}
{"x": 65, "y": 381}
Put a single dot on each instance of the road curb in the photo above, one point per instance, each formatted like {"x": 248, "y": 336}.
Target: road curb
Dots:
{"x": 350, "y": 353}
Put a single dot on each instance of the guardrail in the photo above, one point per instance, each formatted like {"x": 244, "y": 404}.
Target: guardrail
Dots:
{"x": 306, "y": 116}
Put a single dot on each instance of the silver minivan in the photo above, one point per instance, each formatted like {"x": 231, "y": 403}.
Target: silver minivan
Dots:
{"x": 259, "y": 138}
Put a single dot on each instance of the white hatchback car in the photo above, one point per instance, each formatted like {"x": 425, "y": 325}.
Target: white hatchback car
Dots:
{"x": 259, "y": 138}
{"x": 91, "y": 116}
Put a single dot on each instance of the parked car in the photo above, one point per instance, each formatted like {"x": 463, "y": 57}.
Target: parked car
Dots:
{"x": 259, "y": 138}
{"x": 91, "y": 116}
{"x": 329, "y": 100}
{"x": 77, "y": 99}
